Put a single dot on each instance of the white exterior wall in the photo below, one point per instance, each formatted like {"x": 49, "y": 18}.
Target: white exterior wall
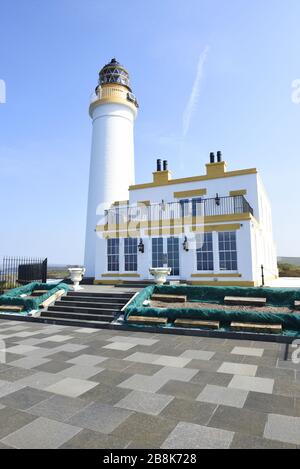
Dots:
{"x": 222, "y": 186}
{"x": 187, "y": 260}
{"x": 255, "y": 245}
{"x": 111, "y": 167}
{"x": 264, "y": 250}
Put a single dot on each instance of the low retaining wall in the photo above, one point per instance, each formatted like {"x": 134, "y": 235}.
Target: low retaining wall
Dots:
{"x": 13, "y": 298}
{"x": 275, "y": 297}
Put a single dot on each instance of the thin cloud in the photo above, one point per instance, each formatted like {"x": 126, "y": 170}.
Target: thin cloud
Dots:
{"x": 195, "y": 93}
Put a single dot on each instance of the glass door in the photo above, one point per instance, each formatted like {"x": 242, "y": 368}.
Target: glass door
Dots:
{"x": 165, "y": 251}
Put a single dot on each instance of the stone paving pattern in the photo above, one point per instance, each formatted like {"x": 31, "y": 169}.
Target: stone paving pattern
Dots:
{"x": 68, "y": 387}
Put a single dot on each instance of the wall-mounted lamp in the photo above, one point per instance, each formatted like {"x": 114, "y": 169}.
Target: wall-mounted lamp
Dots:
{"x": 185, "y": 244}
{"x": 217, "y": 199}
{"x": 141, "y": 246}
{"x": 163, "y": 205}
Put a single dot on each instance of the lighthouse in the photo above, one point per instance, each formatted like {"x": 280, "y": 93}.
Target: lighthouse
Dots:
{"x": 113, "y": 110}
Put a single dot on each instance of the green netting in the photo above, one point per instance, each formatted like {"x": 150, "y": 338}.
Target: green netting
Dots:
{"x": 13, "y": 298}
{"x": 275, "y": 297}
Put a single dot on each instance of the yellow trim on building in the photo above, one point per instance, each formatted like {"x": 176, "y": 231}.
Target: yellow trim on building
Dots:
{"x": 228, "y": 174}
{"x": 121, "y": 202}
{"x": 216, "y": 169}
{"x": 162, "y": 177}
{"x": 145, "y": 203}
{"x": 127, "y": 275}
{"x": 239, "y": 192}
{"x": 237, "y": 283}
{"x": 194, "y": 193}
{"x": 165, "y": 231}
{"x": 209, "y": 228}
{"x": 121, "y": 234}
{"x": 107, "y": 282}
{"x": 215, "y": 275}
{"x": 112, "y": 93}
{"x": 185, "y": 221}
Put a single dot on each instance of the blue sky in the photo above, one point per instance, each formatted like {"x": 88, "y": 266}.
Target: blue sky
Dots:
{"x": 50, "y": 55}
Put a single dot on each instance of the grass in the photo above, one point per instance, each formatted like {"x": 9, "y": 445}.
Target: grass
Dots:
{"x": 288, "y": 270}
{"x": 57, "y": 273}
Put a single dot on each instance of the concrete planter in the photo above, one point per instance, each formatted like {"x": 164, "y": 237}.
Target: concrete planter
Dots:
{"x": 160, "y": 274}
{"x": 76, "y": 274}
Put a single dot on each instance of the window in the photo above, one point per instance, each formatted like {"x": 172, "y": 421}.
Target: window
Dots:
{"x": 113, "y": 247}
{"x": 130, "y": 253}
{"x": 184, "y": 207}
{"x": 227, "y": 250}
{"x": 197, "y": 207}
{"x": 173, "y": 255}
{"x": 157, "y": 252}
{"x": 205, "y": 255}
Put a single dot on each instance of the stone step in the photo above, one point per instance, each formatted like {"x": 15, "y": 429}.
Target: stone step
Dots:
{"x": 197, "y": 323}
{"x": 116, "y": 295}
{"x": 245, "y": 301}
{"x": 260, "y": 328}
{"x": 97, "y": 311}
{"x": 146, "y": 320}
{"x": 139, "y": 285}
{"x": 169, "y": 298}
{"x": 73, "y": 322}
{"x": 78, "y": 316}
{"x": 87, "y": 304}
{"x": 92, "y": 299}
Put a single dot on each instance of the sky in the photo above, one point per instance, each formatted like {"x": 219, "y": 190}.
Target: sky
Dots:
{"x": 208, "y": 74}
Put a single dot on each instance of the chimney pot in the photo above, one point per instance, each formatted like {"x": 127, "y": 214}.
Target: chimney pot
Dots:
{"x": 212, "y": 157}
{"x": 219, "y": 156}
{"x": 165, "y": 165}
{"x": 158, "y": 165}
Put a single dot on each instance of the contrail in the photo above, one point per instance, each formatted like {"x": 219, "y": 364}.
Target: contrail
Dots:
{"x": 194, "y": 96}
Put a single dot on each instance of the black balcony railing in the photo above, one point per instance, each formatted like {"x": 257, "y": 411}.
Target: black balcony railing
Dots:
{"x": 182, "y": 209}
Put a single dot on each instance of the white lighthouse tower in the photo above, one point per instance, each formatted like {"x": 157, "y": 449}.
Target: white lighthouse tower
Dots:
{"x": 113, "y": 110}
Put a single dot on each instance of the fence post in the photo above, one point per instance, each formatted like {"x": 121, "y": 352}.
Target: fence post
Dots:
{"x": 44, "y": 270}
{"x": 262, "y": 276}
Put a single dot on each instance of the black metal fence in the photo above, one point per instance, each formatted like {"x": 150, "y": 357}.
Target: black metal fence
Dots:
{"x": 16, "y": 271}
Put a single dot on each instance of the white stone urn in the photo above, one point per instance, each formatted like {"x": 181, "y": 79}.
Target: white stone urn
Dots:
{"x": 76, "y": 274}
{"x": 160, "y": 274}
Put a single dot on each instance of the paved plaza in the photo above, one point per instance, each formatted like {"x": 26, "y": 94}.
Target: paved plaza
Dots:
{"x": 68, "y": 387}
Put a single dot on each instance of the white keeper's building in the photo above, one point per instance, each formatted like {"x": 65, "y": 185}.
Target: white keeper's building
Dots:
{"x": 211, "y": 229}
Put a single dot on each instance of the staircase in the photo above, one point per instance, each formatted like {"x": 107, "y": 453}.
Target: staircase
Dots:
{"x": 86, "y": 309}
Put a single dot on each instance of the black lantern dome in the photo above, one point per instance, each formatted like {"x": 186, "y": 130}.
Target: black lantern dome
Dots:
{"x": 113, "y": 72}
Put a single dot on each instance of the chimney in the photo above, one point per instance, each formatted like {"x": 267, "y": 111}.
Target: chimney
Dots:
{"x": 219, "y": 156}
{"x": 165, "y": 165}
{"x": 158, "y": 165}
{"x": 212, "y": 157}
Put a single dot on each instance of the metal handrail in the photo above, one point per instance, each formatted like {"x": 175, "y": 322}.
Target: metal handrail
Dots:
{"x": 175, "y": 210}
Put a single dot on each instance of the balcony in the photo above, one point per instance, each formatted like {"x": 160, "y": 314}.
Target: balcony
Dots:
{"x": 189, "y": 210}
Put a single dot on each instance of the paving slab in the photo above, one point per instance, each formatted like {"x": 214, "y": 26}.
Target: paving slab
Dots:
{"x": 222, "y": 395}
{"x": 71, "y": 387}
{"x": 248, "y": 351}
{"x": 148, "y": 403}
{"x": 283, "y": 428}
{"x": 100, "y": 417}
{"x": 191, "y": 436}
{"x": 42, "y": 433}
{"x": 252, "y": 383}
{"x": 238, "y": 369}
